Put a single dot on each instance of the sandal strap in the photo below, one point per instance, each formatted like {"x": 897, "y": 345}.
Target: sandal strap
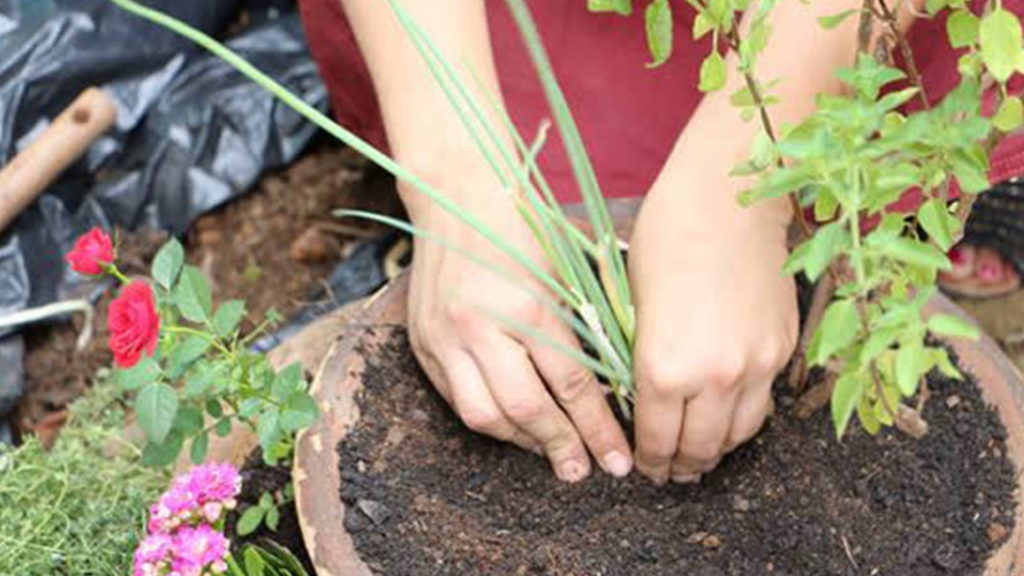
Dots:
{"x": 997, "y": 222}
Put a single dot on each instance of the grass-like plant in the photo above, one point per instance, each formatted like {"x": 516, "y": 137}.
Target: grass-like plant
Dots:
{"x": 849, "y": 160}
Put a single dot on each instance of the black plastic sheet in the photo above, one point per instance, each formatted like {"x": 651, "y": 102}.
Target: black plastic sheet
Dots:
{"x": 191, "y": 132}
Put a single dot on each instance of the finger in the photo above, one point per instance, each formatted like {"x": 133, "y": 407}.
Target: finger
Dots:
{"x": 475, "y": 405}
{"x": 435, "y": 373}
{"x": 578, "y": 392}
{"x": 705, "y": 432}
{"x": 659, "y": 416}
{"x": 752, "y": 408}
{"x": 513, "y": 381}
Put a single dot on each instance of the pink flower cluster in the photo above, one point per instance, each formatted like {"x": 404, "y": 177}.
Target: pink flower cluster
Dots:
{"x": 182, "y": 540}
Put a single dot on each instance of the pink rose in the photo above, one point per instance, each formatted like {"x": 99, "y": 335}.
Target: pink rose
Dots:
{"x": 133, "y": 323}
{"x": 92, "y": 250}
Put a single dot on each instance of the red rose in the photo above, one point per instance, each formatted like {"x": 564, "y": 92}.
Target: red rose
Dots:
{"x": 91, "y": 250}
{"x": 134, "y": 324}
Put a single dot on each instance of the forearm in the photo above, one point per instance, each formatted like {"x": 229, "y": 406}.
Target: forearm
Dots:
{"x": 422, "y": 126}
{"x": 805, "y": 57}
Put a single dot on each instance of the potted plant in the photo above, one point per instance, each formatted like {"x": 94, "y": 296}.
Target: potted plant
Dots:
{"x": 872, "y": 338}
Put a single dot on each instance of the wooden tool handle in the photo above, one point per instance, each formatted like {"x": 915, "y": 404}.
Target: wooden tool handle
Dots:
{"x": 67, "y": 138}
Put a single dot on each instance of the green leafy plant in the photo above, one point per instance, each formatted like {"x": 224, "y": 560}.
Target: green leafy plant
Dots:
{"x": 847, "y": 162}
{"x": 188, "y": 363}
{"x": 266, "y": 512}
{"x": 76, "y": 508}
{"x": 268, "y": 559}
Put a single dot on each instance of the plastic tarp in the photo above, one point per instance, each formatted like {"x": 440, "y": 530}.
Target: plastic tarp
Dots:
{"x": 191, "y": 132}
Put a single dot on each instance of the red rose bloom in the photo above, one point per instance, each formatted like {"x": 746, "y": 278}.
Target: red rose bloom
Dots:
{"x": 91, "y": 250}
{"x": 134, "y": 324}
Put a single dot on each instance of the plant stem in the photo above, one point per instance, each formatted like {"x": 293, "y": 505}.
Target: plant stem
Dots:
{"x": 734, "y": 40}
{"x": 200, "y": 334}
{"x": 908, "y": 56}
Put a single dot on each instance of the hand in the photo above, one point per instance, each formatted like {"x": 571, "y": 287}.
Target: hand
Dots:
{"x": 500, "y": 382}
{"x": 716, "y": 320}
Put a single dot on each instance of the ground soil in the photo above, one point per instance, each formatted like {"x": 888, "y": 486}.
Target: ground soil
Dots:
{"x": 425, "y": 496}
{"x": 272, "y": 247}
{"x": 259, "y": 478}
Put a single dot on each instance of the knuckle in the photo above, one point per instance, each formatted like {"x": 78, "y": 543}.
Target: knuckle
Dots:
{"x": 573, "y": 386}
{"x": 461, "y": 317}
{"x": 524, "y": 410}
{"x": 661, "y": 375}
{"x": 746, "y": 430}
{"x": 481, "y": 420}
{"x": 724, "y": 374}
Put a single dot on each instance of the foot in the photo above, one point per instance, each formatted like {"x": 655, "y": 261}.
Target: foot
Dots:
{"x": 979, "y": 272}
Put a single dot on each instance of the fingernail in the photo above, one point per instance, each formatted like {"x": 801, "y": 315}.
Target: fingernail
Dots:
{"x": 572, "y": 471}
{"x": 617, "y": 464}
{"x": 988, "y": 271}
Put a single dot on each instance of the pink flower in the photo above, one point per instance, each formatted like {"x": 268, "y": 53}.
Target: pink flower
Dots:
{"x": 197, "y": 548}
{"x": 134, "y": 324}
{"x": 152, "y": 555}
{"x": 215, "y": 482}
{"x": 91, "y": 252}
{"x": 175, "y": 507}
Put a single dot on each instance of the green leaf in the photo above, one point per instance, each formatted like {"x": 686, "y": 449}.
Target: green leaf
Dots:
{"x": 156, "y": 406}
{"x": 830, "y": 22}
{"x": 825, "y": 206}
{"x": 146, "y": 371}
{"x": 300, "y": 412}
{"x": 701, "y": 26}
{"x": 970, "y": 166}
{"x": 953, "y": 327}
{"x": 823, "y": 247}
{"x": 915, "y": 252}
{"x": 866, "y": 415}
{"x": 658, "y": 22}
{"x": 934, "y": 217}
{"x": 167, "y": 263}
{"x": 266, "y": 500}
{"x": 249, "y": 407}
{"x": 273, "y": 518}
{"x": 163, "y": 453}
{"x": 200, "y": 444}
{"x": 288, "y": 381}
{"x": 934, "y": 6}
{"x": 250, "y": 520}
{"x": 962, "y": 28}
{"x": 267, "y": 429}
{"x": 223, "y": 427}
{"x": 254, "y": 564}
{"x": 941, "y": 360}
{"x": 623, "y": 7}
{"x": 1010, "y": 115}
{"x": 213, "y": 408}
{"x": 185, "y": 353}
{"x": 712, "y": 73}
{"x": 845, "y": 397}
{"x": 911, "y": 365}
{"x": 192, "y": 295}
{"x": 838, "y": 329}
{"x": 188, "y": 420}
{"x": 228, "y": 316}
{"x": 1000, "y": 38}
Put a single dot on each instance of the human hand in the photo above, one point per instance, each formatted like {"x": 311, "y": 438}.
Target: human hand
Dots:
{"x": 500, "y": 382}
{"x": 716, "y": 320}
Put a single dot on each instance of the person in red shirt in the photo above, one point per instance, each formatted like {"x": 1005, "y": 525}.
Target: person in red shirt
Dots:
{"x": 716, "y": 320}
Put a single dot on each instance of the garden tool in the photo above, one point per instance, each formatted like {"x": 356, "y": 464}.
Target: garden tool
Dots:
{"x": 59, "y": 145}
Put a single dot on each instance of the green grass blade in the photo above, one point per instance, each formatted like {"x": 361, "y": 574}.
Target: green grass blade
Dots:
{"x": 349, "y": 138}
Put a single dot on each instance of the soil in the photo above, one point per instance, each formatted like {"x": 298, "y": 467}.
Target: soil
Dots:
{"x": 424, "y": 496}
{"x": 259, "y": 478}
{"x": 272, "y": 247}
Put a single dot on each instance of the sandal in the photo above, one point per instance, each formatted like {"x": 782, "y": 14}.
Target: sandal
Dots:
{"x": 991, "y": 254}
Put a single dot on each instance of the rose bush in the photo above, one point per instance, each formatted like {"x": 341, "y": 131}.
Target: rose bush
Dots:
{"x": 133, "y": 323}
{"x": 93, "y": 251}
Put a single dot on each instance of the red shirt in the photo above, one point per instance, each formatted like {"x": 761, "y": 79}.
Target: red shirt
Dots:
{"x": 629, "y": 116}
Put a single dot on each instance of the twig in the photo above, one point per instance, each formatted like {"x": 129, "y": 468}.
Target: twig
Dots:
{"x": 734, "y": 40}
{"x": 849, "y": 553}
{"x": 908, "y": 56}
{"x": 819, "y": 301}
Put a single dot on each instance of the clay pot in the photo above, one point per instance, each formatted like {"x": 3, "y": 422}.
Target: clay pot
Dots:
{"x": 317, "y": 481}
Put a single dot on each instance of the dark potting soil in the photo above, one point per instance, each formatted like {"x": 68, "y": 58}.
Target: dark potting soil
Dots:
{"x": 424, "y": 496}
{"x": 257, "y": 479}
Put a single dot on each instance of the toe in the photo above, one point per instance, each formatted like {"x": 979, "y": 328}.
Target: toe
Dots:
{"x": 990, "y": 268}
